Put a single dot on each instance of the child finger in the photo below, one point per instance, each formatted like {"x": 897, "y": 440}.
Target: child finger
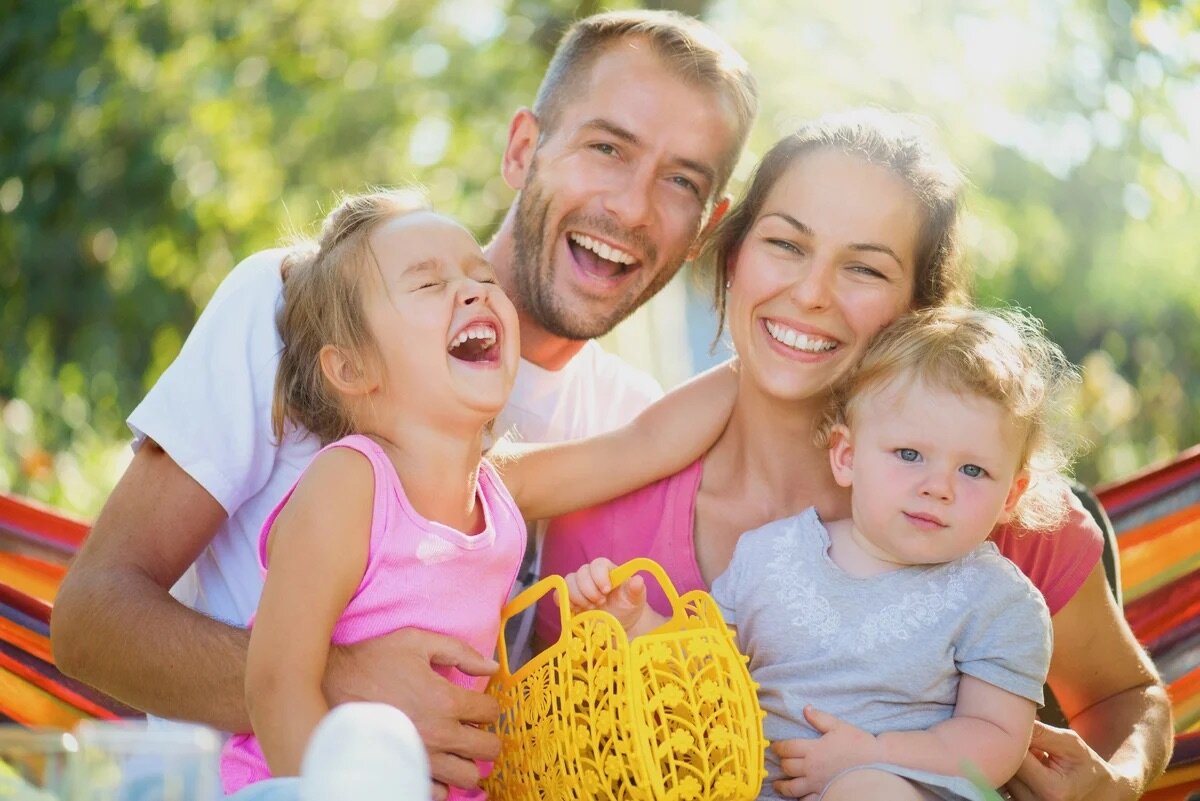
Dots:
{"x": 600, "y": 570}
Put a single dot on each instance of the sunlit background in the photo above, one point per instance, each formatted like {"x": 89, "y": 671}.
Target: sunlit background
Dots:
{"x": 146, "y": 147}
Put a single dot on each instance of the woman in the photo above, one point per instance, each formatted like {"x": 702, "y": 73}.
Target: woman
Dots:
{"x": 847, "y": 223}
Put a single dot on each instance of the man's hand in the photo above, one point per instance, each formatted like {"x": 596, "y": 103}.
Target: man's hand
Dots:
{"x": 1060, "y": 766}
{"x": 397, "y": 669}
{"x": 812, "y": 764}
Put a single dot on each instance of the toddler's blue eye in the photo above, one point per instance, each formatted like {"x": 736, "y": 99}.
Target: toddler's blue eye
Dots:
{"x": 973, "y": 470}
{"x": 908, "y": 454}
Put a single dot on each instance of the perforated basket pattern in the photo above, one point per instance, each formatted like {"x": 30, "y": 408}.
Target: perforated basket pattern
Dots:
{"x": 669, "y": 716}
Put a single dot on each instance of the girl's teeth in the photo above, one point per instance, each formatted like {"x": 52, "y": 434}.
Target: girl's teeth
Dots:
{"x": 474, "y": 332}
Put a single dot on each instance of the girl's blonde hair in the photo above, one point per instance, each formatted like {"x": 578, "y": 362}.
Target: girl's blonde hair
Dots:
{"x": 1001, "y": 355}
{"x": 322, "y": 305}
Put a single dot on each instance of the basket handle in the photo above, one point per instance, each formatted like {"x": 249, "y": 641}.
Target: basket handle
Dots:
{"x": 622, "y": 573}
{"x": 525, "y": 599}
{"x": 619, "y": 575}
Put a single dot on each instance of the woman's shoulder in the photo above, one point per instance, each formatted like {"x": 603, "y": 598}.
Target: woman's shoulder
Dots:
{"x": 1058, "y": 561}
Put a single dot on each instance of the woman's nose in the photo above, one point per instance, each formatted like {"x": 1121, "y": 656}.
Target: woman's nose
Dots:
{"x": 814, "y": 288}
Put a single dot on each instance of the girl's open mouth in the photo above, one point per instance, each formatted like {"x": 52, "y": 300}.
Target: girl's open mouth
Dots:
{"x": 478, "y": 343}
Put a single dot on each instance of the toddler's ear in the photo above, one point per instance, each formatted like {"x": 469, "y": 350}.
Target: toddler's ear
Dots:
{"x": 841, "y": 455}
{"x": 1019, "y": 485}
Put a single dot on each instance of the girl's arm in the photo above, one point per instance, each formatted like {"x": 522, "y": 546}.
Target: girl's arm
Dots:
{"x": 318, "y": 552}
{"x": 554, "y": 478}
{"x": 989, "y": 732}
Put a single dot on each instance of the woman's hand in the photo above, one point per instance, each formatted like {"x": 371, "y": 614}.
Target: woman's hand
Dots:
{"x": 1060, "y": 766}
{"x": 812, "y": 764}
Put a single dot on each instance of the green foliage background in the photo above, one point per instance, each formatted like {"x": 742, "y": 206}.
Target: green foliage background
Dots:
{"x": 145, "y": 147}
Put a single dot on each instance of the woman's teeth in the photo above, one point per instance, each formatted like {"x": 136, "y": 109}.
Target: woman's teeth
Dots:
{"x": 798, "y": 341}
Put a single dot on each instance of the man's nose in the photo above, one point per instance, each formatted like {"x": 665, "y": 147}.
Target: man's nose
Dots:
{"x": 630, "y": 200}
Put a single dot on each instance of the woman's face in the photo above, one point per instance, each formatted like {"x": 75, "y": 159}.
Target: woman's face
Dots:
{"x": 827, "y": 263}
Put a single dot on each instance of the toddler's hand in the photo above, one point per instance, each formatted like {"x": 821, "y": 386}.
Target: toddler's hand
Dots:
{"x": 811, "y": 764}
{"x": 590, "y": 587}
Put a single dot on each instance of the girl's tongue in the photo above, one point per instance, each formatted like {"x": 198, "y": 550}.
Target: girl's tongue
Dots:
{"x": 592, "y": 263}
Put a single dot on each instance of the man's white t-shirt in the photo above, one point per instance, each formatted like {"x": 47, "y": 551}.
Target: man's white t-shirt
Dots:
{"x": 211, "y": 412}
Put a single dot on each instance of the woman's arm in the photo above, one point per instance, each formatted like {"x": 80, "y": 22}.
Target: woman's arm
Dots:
{"x": 989, "y": 732}
{"x": 1115, "y": 701}
{"x": 318, "y": 552}
{"x": 547, "y": 480}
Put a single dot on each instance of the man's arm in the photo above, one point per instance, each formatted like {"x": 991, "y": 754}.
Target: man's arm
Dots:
{"x": 115, "y": 625}
{"x": 1120, "y": 716}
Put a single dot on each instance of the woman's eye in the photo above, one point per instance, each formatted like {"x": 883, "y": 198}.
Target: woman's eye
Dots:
{"x": 908, "y": 454}
{"x": 784, "y": 245}
{"x": 863, "y": 269}
{"x": 973, "y": 471}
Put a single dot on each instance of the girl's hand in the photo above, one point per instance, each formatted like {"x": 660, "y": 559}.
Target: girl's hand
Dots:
{"x": 812, "y": 764}
{"x": 590, "y": 587}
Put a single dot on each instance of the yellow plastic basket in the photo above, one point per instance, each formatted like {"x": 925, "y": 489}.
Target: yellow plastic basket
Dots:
{"x": 670, "y": 716}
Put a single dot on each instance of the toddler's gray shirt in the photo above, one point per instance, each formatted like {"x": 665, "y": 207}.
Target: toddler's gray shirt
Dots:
{"x": 882, "y": 652}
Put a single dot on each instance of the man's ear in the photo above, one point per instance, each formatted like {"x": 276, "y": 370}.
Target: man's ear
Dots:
{"x": 1019, "y": 485}
{"x": 523, "y": 134}
{"x": 346, "y": 374}
{"x": 841, "y": 455}
{"x": 718, "y": 212}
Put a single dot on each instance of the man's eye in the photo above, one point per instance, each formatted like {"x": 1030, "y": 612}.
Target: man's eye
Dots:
{"x": 687, "y": 183}
{"x": 605, "y": 148}
{"x": 908, "y": 454}
{"x": 973, "y": 471}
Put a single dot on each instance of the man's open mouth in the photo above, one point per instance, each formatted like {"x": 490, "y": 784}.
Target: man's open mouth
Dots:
{"x": 599, "y": 258}
{"x": 478, "y": 342}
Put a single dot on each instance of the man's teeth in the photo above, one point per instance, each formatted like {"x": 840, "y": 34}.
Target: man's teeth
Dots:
{"x": 484, "y": 332}
{"x": 602, "y": 250}
{"x": 794, "y": 339}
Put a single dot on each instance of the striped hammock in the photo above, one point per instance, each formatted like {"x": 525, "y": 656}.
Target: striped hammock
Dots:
{"x": 1156, "y": 515}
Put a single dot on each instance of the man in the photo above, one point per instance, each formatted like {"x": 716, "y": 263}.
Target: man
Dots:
{"x": 619, "y": 167}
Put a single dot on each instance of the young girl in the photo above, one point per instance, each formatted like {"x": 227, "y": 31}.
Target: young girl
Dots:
{"x": 398, "y": 349}
{"x": 900, "y": 641}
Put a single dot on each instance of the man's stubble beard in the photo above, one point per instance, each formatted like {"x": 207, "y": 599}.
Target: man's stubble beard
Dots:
{"x": 534, "y": 285}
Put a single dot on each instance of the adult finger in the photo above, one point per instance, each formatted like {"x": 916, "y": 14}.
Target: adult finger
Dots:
{"x": 1034, "y": 777}
{"x": 1059, "y": 742}
{"x": 1019, "y": 791}
{"x": 439, "y": 791}
{"x": 454, "y": 771}
{"x": 446, "y": 651}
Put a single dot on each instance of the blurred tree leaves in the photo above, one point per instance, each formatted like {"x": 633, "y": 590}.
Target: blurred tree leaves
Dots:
{"x": 146, "y": 146}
